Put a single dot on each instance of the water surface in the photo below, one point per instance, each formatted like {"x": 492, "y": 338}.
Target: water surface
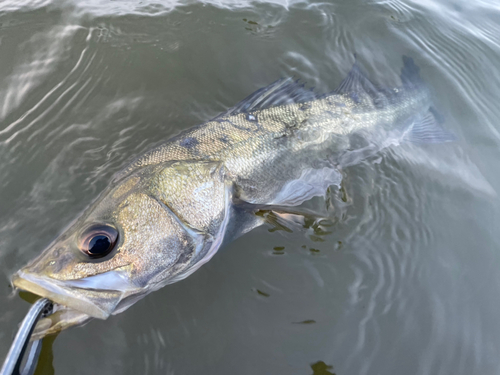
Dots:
{"x": 404, "y": 278}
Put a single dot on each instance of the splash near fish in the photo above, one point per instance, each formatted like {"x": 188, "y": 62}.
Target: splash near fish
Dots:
{"x": 170, "y": 210}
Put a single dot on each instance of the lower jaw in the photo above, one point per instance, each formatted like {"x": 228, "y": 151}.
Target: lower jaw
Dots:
{"x": 60, "y": 320}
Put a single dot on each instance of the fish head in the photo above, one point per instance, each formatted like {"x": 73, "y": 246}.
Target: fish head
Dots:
{"x": 152, "y": 228}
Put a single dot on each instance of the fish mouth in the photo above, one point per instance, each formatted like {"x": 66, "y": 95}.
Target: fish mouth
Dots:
{"x": 54, "y": 290}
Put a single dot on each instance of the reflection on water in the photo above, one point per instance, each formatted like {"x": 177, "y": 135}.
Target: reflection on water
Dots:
{"x": 396, "y": 271}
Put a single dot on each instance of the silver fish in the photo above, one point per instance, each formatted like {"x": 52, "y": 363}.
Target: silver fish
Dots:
{"x": 170, "y": 210}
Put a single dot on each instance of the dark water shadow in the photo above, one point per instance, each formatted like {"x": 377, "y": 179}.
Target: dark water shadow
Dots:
{"x": 321, "y": 368}
{"x": 45, "y": 362}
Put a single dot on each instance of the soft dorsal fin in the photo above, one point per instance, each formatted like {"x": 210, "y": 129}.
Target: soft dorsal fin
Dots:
{"x": 356, "y": 82}
{"x": 280, "y": 92}
{"x": 410, "y": 73}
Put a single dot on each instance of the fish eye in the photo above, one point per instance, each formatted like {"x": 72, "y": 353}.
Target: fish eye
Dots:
{"x": 98, "y": 240}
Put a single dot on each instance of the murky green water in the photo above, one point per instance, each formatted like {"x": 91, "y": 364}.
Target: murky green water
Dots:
{"x": 408, "y": 280}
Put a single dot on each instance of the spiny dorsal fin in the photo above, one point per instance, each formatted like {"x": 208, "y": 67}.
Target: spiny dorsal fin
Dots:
{"x": 356, "y": 82}
{"x": 283, "y": 91}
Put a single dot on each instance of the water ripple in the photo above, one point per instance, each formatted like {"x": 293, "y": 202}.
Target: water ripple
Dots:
{"x": 393, "y": 278}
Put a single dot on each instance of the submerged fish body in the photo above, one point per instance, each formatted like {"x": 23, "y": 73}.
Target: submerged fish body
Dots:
{"x": 169, "y": 211}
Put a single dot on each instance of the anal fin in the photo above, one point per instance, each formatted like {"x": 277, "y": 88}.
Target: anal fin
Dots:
{"x": 426, "y": 129}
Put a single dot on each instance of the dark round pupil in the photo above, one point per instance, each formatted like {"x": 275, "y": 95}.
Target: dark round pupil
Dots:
{"x": 99, "y": 244}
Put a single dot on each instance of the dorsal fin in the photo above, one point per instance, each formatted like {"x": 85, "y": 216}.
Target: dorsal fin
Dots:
{"x": 288, "y": 90}
{"x": 280, "y": 92}
{"x": 356, "y": 82}
{"x": 410, "y": 73}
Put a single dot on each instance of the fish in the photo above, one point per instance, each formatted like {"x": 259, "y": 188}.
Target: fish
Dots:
{"x": 172, "y": 208}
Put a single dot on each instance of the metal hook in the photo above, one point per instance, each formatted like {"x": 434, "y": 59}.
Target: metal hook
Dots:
{"x": 12, "y": 364}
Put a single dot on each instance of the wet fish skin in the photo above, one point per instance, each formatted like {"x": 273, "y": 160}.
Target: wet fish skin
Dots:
{"x": 175, "y": 205}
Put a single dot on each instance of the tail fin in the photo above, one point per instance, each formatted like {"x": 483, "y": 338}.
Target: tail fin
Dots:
{"x": 410, "y": 73}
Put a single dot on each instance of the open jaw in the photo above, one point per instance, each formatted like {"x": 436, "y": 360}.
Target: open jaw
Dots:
{"x": 76, "y": 301}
